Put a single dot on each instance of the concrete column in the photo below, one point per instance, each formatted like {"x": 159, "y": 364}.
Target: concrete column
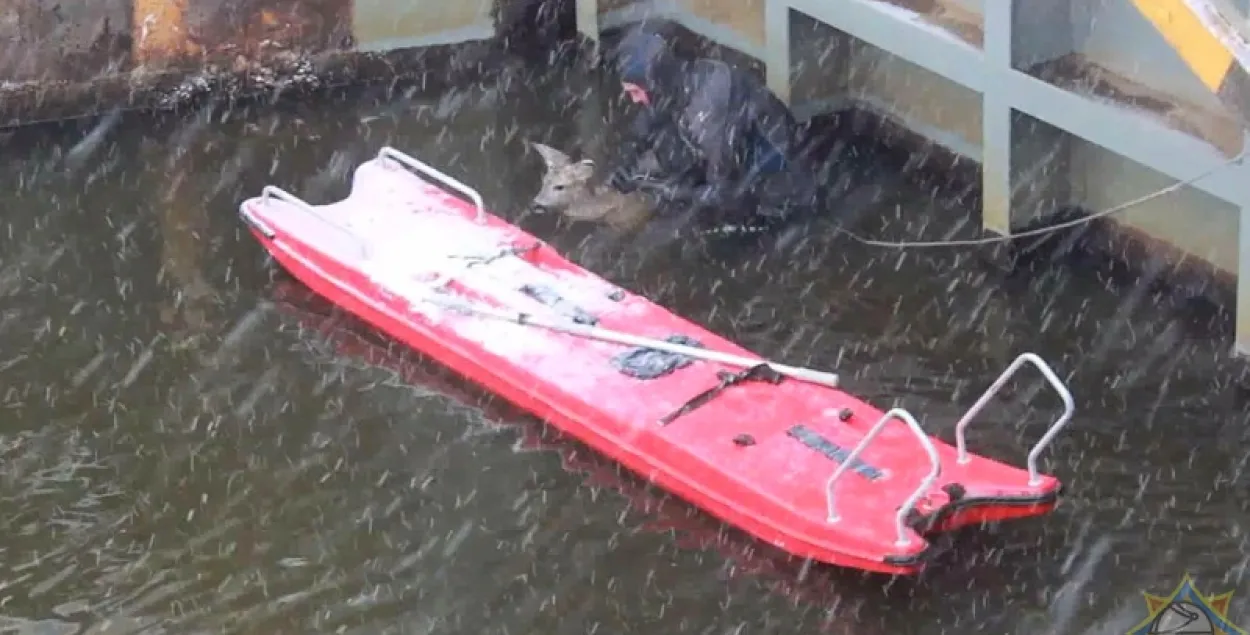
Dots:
{"x": 591, "y": 119}
{"x": 996, "y": 138}
{"x": 1241, "y": 344}
{"x": 777, "y": 47}
{"x": 588, "y": 23}
{"x": 1025, "y": 162}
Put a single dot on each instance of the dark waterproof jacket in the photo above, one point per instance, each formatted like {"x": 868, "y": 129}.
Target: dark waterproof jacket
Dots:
{"x": 717, "y": 132}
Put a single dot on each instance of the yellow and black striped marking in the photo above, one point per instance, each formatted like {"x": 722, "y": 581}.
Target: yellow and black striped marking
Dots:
{"x": 1180, "y": 22}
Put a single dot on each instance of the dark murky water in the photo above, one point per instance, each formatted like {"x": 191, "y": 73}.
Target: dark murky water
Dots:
{"x": 187, "y": 446}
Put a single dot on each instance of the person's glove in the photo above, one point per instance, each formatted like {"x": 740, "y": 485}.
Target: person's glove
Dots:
{"x": 709, "y": 195}
{"x": 623, "y": 179}
{"x": 628, "y": 181}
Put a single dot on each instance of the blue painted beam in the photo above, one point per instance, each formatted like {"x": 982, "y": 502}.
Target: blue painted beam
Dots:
{"x": 1133, "y": 135}
{"x": 904, "y": 34}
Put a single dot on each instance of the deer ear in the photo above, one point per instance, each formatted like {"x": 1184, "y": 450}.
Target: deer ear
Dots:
{"x": 551, "y": 156}
{"x": 584, "y": 169}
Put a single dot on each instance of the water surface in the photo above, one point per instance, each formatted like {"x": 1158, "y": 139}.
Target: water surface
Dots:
{"x": 189, "y": 445}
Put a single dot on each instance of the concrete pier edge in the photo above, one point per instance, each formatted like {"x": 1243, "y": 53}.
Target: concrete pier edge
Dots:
{"x": 1131, "y": 255}
{"x": 992, "y": 68}
{"x": 1008, "y": 93}
{"x": 1010, "y": 99}
{"x": 172, "y": 88}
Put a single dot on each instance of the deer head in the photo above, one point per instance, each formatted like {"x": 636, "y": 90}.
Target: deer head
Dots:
{"x": 565, "y": 183}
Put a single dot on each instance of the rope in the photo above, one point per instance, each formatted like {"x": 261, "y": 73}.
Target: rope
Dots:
{"x": 1057, "y": 226}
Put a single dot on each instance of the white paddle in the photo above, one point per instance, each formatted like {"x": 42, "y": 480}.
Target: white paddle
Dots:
{"x": 616, "y": 337}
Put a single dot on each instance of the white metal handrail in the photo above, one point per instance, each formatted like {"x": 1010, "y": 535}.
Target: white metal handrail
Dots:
{"x": 1069, "y": 407}
{"x": 935, "y": 470}
{"x": 248, "y": 215}
{"x": 272, "y": 191}
{"x": 388, "y": 152}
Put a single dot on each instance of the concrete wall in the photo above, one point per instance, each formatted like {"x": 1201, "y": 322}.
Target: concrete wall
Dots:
{"x": 942, "y": 110}
{"x": 63, "y": 59}
{"x": 1193, "y": 222}
{"x": 744, "y": 19}
{"x": 385, "y": 25}
{"x": 834, "y": 70}
{"x": 737, "y": 25}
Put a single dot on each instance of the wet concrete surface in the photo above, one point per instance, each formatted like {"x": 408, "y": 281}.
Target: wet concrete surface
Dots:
{"x": 189, "y": 445}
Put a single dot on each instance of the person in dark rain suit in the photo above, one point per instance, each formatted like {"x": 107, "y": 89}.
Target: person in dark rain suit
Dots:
{"x": 720, "y": 139}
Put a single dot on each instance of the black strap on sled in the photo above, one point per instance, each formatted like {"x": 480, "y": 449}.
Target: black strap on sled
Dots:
{"x": 759, "y": 372}
{"x": 648, "y": 363}
{"x": 552, "y": 298}
{"x": 512, "y": 250}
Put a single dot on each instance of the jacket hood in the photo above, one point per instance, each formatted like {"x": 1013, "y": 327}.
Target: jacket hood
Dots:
{"x": 643, "y": 58}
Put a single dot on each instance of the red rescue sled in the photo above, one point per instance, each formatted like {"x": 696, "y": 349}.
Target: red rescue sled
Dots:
{"x": 776, "y": 450}
{"x": 649, "y": 510}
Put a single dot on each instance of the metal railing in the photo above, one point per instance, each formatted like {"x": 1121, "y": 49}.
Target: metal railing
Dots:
{"x": 273, "y": 192}
{"x": 1069, "y": 407}
{"x": 935, "y": 470}
{"x": 245, "y": 210}
{"x": 387, "y": 152}
{"x": 422, "y": 169}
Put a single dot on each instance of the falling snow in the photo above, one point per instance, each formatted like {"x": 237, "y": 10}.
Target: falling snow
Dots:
{"x": 191, "y": 443}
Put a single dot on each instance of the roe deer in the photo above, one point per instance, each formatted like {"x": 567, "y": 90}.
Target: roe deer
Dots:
{"x": 568, "y": 189}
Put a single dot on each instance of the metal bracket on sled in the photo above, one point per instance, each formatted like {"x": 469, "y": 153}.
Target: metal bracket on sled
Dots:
{"x": 273, "y": 192}
{"x": 935, "y": 470}
{"x": 1069, "y": 408}
{"x": 423, "y": 169}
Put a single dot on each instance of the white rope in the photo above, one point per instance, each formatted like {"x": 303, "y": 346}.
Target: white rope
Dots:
{"x": 1057, "y": 226}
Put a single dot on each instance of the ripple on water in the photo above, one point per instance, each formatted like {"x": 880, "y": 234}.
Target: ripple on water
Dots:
{"x": 176, "y": 460}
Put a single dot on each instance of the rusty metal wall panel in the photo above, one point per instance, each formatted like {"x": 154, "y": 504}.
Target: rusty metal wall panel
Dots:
{"x": 62, "y": 41}
{"x": 255, "y": 27}
{"x": 172, "y": 31}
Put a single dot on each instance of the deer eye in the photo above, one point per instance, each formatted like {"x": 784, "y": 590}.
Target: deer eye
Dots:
{"x": 558, "y": 188}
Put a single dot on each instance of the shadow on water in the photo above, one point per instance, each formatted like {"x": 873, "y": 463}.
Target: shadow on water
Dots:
{"x": 178, "y": 455}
